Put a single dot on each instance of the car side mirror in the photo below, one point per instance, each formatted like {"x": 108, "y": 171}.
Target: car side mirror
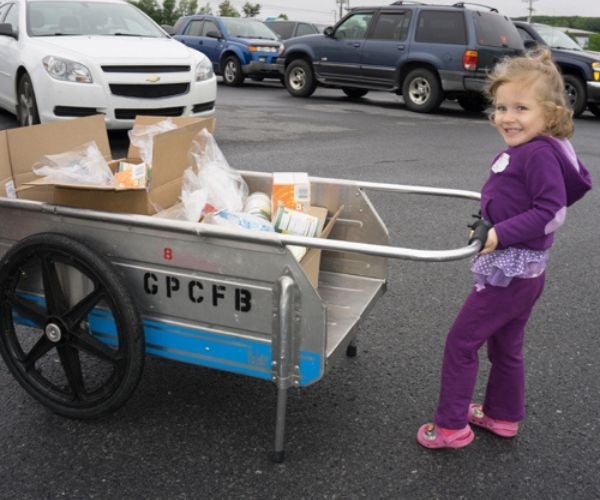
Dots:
{"x": 328, "y": 31}
{"x": 214, "y": 34}
{"x": 6, "y": 29}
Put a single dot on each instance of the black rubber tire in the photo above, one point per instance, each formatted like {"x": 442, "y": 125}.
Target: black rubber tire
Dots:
{"x": 354, "y": 93}
{"x": 595, "y": 109}
{"x": 300, "y": 78}
{"x": 57, "y": 358}
{"x": 231, "y": 71}
{"x": 27, "y": 110}
{"x": 422, "y": 91}
{"x": 575, "y": 94}
{"x": 473, "y": 102}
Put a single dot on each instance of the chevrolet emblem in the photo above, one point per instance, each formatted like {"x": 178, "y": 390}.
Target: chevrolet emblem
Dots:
{"x": 153, "y": 78}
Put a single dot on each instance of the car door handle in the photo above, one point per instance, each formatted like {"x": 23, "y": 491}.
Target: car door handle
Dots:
{"x": 356, "y": 45}
{"x": 400, "y": 47}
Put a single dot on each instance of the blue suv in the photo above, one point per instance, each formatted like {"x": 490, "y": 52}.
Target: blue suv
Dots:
{"x": 424, "y": 52}
{"x": 237, "y": 47}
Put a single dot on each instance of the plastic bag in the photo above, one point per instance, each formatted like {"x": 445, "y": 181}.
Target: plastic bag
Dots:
{"x": 211, "y": 184}
{"x": 84, "y": 165}
{"x": 141, "y": 136}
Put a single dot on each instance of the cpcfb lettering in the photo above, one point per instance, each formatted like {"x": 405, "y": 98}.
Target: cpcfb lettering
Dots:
{"x": 197, "y": 292}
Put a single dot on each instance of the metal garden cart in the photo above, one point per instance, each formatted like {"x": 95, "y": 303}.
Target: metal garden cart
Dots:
{"x": 84, "y": 294}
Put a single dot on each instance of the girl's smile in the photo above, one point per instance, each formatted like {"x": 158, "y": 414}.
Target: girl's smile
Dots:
{"x": 519, "y": 116}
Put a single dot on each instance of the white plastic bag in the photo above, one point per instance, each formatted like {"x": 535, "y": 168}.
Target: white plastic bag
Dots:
{"x": 211, "y": 184}
{"x": 84, "y": 165}
{"x": 142, "y": 136}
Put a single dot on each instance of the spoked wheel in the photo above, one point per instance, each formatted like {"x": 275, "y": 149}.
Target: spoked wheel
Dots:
{"x": 69, "y": 330}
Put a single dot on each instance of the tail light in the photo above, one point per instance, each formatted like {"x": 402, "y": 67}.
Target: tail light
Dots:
{"x": 470, "y": 58}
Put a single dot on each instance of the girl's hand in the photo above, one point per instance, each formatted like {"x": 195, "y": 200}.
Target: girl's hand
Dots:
{"x": 490, "y": 243}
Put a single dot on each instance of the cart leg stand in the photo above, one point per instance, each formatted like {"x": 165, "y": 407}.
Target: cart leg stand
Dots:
{"x": 283, "y": 363}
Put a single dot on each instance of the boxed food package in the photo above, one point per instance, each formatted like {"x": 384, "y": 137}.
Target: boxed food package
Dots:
{"x": 290, "y": 190}
{"x": 311, "y": 260}
{"x": 170, "y": 158}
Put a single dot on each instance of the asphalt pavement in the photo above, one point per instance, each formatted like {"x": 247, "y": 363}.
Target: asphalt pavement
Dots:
{"x": 191, "y": 432}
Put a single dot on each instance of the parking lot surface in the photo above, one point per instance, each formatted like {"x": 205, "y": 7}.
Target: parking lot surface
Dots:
{"x": 190, "y": 432}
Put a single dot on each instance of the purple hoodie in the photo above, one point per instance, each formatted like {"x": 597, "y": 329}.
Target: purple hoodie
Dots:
{"x": 528, "y": 191}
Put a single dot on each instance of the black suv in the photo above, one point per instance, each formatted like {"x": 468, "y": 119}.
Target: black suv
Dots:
{"x": 580, "y": 68}
{"x": 425, "y": 53}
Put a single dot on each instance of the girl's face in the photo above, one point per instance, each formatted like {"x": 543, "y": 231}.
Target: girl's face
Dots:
{"x": 519, "y": 116}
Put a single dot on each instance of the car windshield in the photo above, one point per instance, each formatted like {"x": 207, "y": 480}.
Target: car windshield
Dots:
{"x": 556, "y": 38}
{"x": 248, "y": 29}
{"x": 89, "y": 18}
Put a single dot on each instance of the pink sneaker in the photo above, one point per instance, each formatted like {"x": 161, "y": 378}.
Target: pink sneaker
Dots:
{"x": 502, "y": 428}
{"x": 432, "y": 436}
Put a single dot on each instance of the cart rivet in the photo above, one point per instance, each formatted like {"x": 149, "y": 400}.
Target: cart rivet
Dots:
{"x": 53, "y": 332}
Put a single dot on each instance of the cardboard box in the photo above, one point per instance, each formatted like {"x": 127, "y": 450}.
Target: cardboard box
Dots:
{"x": 7, "y": 185}
{"x": 311, "y": 261}
{"x": 170, "y": 158}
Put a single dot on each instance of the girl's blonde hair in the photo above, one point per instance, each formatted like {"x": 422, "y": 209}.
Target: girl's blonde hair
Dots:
{"x": 537, "y": 70}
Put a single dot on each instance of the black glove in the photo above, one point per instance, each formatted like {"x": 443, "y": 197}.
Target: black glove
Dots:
{"x": 480, "y": 230}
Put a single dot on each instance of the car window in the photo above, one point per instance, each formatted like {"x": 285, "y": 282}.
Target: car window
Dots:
{"x": 209, "y": 26}
{"x": 355, "y": 26}
{"x": 89, "y": 18}
{"x": 304, "y": 29}
{"x": 3, "y": 10}
{"x": 247, "y": 29}
{"x": 525, "y": 36}
{"x": 194, "y": 28}
{"x": 556, "y": 38}
{"x": 284, "y": 29}
{"x": 493, "y": 30}
{"x": 441, "y": 27}
{"x": 391, "y": 26}
{"x": 12, "y": 18}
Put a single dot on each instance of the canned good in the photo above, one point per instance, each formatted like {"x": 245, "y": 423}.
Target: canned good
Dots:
{"x": 259, "y": 204}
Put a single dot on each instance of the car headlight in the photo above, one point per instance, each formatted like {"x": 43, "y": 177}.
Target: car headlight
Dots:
{"x": 596, "y": 68}
{"x": 69, "y": 71}
{"x": 204, "y": 70}
{"x": 263, "y": 48}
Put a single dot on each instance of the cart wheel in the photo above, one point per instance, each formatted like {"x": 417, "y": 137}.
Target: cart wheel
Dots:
{"x": 69, "y": 330}
{"x": 351, "y": 350}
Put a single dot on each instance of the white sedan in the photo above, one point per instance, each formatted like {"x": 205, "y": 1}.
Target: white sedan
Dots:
{"x": 66, "y": 58}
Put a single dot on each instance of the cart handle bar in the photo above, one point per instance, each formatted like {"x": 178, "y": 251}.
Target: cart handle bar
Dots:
{"x": 208, "y": 231}
{"x": 381, "y": 186}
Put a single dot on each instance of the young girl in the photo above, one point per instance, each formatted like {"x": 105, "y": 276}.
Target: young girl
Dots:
{"x": 525, "y": 200}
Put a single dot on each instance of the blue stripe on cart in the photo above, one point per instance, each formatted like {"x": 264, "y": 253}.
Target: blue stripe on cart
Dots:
{"x": 221, "y": 351}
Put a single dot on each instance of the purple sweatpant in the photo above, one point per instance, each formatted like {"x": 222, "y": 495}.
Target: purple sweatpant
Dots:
{"x": 496, "y": 315}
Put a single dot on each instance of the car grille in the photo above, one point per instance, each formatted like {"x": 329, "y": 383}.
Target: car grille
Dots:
{"x": 145, "y": 69}
{"x": 130, "y": 114}
{"x": 74, "y": 111}
{"x": 149, "y": 91}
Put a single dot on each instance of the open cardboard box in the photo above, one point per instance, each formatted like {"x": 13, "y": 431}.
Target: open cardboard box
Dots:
{"x": 7, "y": 185}
{"x": 311, "y": 260}
{"x": 170, "y": 158}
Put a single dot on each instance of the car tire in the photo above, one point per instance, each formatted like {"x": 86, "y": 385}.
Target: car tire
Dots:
{"x": 595, "y": 109}
{"x": 232, "y": 72}
{"x": 354, "y": 93}
{"x": 473, "y": 102}
{"x": 27, "y": 110}
{"x": 300, "y": 79}
{"x": 422, "y": 91}
{"x": 575, "y": 94}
